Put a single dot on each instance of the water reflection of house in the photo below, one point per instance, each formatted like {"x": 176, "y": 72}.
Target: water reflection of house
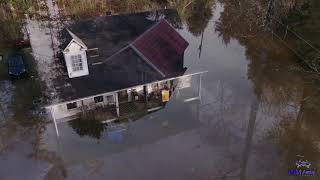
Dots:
{"x": 119, "y": 65}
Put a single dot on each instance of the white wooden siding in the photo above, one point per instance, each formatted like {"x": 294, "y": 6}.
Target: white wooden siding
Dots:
{"x": 75, "y": 49}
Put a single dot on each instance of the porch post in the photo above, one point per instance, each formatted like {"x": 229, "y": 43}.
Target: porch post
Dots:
{"x": 145, "y": 89}
{"x": 54, "y": 121}
{"x": 117, "y": 103}
{"x": 200, "y": 86}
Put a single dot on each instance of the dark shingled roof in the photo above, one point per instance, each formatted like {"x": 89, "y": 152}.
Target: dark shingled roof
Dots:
{"x": 111, "y": 33}
{"x": 120, "y": 72}
{"x": 119, "y": 65}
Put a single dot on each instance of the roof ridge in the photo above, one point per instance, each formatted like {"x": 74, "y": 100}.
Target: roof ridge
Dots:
{"x": 148, "y": 30}
{"x": 131, "y": 44}
{"x": 141, "y": 54}
{"x": 162, "y": 36}
{"x": 75, "y": 37}
{"x": 147, "y": 60}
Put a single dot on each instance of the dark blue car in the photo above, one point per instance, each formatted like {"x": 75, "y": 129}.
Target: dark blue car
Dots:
{"x": 16, "y": 65}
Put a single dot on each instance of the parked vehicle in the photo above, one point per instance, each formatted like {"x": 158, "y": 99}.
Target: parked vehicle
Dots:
{"x": 16, "y": 66}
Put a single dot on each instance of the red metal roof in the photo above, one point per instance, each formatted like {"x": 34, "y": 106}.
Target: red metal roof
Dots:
{"x": 163, "y": 46}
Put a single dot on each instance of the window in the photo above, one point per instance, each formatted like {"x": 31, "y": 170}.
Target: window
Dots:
{"x": 98, "y": 99}
{"x": 110, "y": 99}
{"x": 92, "y": 52}
{"x": 72, "y": 105}
{"x": 76, "y": 62}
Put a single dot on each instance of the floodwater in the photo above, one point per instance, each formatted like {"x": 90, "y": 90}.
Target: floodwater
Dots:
{"x": 257, "y": 115}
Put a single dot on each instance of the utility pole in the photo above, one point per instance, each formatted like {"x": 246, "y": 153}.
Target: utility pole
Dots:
{"x": 200, "y": 47}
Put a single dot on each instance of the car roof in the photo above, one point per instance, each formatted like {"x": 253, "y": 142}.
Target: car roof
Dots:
{"x": 16, "y": 60}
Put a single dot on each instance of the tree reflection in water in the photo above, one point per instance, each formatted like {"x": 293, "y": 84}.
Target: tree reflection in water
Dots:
{"x": 10, "y": 24}
{"x": 282, "y": 95}
{"x": 87, "y": 125}
{"x": 197, "y": 15}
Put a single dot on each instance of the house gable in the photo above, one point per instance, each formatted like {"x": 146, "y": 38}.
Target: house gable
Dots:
{"x": 76, "y": 39}
{"x": 72, "y": 42}
{"x": 76, "y": 59}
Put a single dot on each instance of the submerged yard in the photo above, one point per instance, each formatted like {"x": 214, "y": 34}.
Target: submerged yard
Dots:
{"x": 22, "y": 122}
{"x": 258, "y": 114}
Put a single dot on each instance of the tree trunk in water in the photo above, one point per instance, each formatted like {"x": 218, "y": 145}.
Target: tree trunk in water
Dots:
{"x": 250, "y": 131}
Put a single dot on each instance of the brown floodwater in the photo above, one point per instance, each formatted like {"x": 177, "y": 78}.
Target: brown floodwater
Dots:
{"x": 257, "y": 115}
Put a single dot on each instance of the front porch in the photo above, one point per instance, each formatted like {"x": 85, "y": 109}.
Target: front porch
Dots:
{"x": 127, "y": 104}
{"x": 109, "y": 113}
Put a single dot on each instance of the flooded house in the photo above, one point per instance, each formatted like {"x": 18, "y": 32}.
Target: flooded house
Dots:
{"x": 120, "y": 65}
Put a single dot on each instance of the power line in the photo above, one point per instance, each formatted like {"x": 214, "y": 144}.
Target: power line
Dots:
{"x": 296, "y": 34}
{"x": 295, "y": 52}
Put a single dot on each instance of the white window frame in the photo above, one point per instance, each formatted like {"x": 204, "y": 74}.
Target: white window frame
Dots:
{"x": 71, "y": 108}
{"x": 110, "y": 99}
{"x": 76, "y": 62}
{"x": 98, "y": 100}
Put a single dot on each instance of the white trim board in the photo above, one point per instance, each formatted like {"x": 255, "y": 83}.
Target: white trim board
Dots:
{"x": 112, "y": 92}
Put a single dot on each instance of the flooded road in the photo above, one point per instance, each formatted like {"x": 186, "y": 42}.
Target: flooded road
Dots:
{"x": 257, "y": 115}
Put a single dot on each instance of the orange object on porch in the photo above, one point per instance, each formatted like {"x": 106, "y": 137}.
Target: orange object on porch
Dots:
{"x": 165, "y": 95}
